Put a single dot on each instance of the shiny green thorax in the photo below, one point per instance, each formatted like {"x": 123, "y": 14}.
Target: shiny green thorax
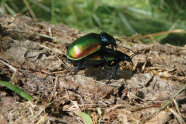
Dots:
{"x": 89, "y": 44}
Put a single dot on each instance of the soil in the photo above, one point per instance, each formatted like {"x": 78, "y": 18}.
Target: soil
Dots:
{"x": 36, "y": 50}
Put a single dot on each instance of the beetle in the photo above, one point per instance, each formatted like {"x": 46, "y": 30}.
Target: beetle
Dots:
{"x": 89, "y": 44}
{"x": 96, "y": 59}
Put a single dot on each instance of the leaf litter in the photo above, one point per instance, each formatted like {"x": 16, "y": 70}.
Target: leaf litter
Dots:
{"x": 59, "y": 92}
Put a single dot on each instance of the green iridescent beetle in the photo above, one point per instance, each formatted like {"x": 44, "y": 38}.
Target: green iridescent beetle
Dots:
{"x": 89, "y": 44}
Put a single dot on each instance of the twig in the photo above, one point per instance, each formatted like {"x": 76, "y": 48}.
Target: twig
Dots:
{"x": 14, "y": 69}
{"x": 51, "y": 49}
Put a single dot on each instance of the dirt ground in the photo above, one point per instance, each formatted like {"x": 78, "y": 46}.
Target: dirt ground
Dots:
{"x": 138, "y": 94}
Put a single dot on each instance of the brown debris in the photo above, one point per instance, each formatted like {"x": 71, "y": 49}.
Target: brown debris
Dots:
{"x": 42, "y": 71}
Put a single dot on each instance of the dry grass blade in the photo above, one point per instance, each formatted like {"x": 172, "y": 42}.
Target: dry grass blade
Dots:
{"x": 50, "y": 37}
{"x": 180, "y": 119}
{"x": 161, "y": 33}
{"x": 165, "y": 104}
{"x": 42, "y": 119}
{"x": 14, "y": 69}
{"x": 177, "y": 106}
{"x": 30, "y": 9}
{"x": 126, "y": 22}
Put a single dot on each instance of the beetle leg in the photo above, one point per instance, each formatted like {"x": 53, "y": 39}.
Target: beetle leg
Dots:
{"x": 131, "y": 63}
{"x": 79, "y": 68}
{"x": 113, "y": 46}
{"x": 105, "y": 58}
{"x": 68, "y": 60}
{"x": 67, "y": 46}
{"x": 113, "y": 73}
{"x": 108, "y": 80}
{"x": 79, "y": 65}
{"x": 117, "y": 65}
{"x": 107, "y": 61}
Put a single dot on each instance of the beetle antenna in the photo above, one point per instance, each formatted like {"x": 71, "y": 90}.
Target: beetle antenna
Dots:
{"x": 125, "y": 47}
{"x": 128, "y": 49}
{"x": 132, "y": 55}
{"x": 131, "y": 58}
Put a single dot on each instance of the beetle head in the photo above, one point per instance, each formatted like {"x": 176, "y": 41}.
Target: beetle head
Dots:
{"x": 107, "y": 39}
{"x": 124, "y": 57}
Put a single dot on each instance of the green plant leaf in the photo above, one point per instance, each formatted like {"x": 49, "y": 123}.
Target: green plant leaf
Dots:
{"x": 99, "y": 111}
{"x": 85, "y": 117}
{"x": 9, "y": 9}
{"x": 16, "y": 90}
